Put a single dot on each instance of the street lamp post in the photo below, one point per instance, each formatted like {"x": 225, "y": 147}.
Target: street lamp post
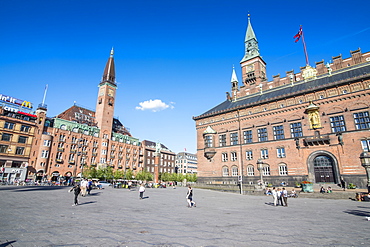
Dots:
{"x": 365, "y": 162}
{"x": 260, "y": 169}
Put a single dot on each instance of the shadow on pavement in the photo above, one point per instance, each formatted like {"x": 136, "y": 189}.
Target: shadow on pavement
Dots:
{"x": 85, "y": 203}
{"x": 33, "y": 188}
{"x": 358, "y": 212}
{"x": 7, "y": 243}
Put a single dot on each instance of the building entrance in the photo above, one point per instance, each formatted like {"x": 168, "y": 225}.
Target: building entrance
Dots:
{"x": 323, "y": 168}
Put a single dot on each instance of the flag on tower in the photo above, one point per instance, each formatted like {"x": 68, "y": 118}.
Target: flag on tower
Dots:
{"x": 298, "y": 35}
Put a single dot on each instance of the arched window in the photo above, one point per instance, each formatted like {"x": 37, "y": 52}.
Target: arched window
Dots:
{"x": 225, "y": 171}
{"x": 75, "y": 129}
{"x": 234, "y": 171}
{"x": 250, "y": 170}
{"x": 283, "y": 170}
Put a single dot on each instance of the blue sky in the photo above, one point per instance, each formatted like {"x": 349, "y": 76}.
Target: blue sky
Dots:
{"x": 177, "y": 55}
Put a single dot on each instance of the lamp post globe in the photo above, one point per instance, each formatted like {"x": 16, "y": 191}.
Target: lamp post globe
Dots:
{"x": 260, "y": 169}
{"x": 365, "y": 162}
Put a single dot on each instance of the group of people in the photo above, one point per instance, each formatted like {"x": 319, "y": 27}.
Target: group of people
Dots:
{"x": 280, "y": 196}
{"x": 323, "y": 190}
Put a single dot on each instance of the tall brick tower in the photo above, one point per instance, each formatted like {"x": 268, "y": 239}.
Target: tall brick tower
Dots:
{"x": 253, "y": 66}
{"x": 106, "y": 98}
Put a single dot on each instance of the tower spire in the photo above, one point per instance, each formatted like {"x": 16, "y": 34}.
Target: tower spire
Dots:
{"x": 109, "y": 75}
{"x": 250, "y": 42}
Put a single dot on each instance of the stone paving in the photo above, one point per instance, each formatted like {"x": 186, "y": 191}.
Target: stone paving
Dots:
{"x": 44, "y": 216}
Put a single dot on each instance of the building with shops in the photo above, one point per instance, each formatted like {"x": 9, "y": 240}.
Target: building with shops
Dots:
{"x": 166, "y": 157}
{"x": 186, "y": 163}
{"x": 79, "y": 138}
{"x": 307, "y": 125}
{"x": 17, "y": 131}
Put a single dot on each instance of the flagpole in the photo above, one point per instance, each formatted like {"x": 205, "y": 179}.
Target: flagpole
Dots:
{"x": 304, "y": 48}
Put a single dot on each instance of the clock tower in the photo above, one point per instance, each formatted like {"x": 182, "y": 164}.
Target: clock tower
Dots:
{"x": 253, "y": 66}
{"x": 106, "y": 99}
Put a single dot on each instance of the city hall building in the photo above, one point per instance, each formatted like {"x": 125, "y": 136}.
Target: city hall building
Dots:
{"x": 307, "y": 125}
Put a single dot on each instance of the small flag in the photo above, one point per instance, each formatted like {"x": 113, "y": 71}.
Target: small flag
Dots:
{"x": 298, "y": 35}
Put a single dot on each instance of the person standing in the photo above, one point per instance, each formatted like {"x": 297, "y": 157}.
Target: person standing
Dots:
{"x": 84, "y": 185}
{"x": 343, "y": 183}
{"x": 141, "y": 191}
{"x": 77, "y": 191}
{"x": 279, "y": 197}
{"x": 189, "y": 197}
{"x": 284, "y": 194}
{"x": 274, "y": 196}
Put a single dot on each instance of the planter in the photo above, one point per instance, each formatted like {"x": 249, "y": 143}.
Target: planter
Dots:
{"x": 307, "y": 187}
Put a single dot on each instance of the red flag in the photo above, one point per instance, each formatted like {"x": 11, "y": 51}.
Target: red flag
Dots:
{"x": 298, "y": 35}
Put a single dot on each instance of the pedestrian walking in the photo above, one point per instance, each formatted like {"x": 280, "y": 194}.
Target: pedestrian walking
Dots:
{"x": 77, "y": 191}
{"x": 284, "y": 194}
{"x": 342, "y": 183}
{"x": 141, "y": 191}
{"x": 189, "y": 197}
{"x": 84, "y": 185}
{"x": 274, "y": 196}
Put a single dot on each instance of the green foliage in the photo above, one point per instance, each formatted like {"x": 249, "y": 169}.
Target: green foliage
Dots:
{"x": 118, "y": 174}
{"x": 144, "y": 176}
{"x": 351, "y": 186}
{"x": 90, "y": 172}
{"x": 105, "y": 173}
{"x": 191, "y": 177}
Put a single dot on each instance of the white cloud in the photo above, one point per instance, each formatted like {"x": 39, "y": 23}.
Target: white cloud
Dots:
{"x": 154, "y": 105}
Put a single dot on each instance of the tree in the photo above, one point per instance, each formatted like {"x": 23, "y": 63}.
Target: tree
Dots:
{"x": 105, "y": 173}
{"x": 144, "y": 176}
{"x": 118, "y": 174}
{"x": 191, "y": 177}
{"x": 90, "y": 172}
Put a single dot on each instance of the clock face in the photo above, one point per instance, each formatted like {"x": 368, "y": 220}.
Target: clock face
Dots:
{"x": 110, "y": 92}
{"x": 250, "y": 68}
{"x": 102, "y": 91}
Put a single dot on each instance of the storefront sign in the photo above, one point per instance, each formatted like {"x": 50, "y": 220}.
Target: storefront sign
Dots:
{"x": 16, "y": 101}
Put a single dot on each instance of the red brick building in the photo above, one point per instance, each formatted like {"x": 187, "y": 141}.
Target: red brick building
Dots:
{"x": 308, "y": 125}
{"x": 78, "y": 138}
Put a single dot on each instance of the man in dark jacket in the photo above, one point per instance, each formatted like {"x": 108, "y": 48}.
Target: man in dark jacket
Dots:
{"x": 77, "y": 191}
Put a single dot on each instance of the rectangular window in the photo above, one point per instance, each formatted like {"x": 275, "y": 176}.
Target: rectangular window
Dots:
{"x": 222, "y": 139}
{"x": 62, "y": 138}
{"x": 3, "y": 148}
{"x": 296, "y": 129}
{"x": 365, "y": 145}
{"x": 6, "y": 137}
{"x": 262, "y": 134}
{"x": 234, "y": 138}
{"x": 208, "y": 142}
{"x": 279, "y": 132}
{"x": 19, "y": 150}
{"x": 224, "y": 157}
{"x": 22, "y": 139}
{"x": 25, "y": 128}
{"x": 337, "y": 124}
{"x": 44, "y": 154}
{"x": 250, "y": 170}
{"x": 280, "y": 152}
{"x": 362, "y": 120}
{"x": 264, "y": 154}
{"x": 247, "y": 136}
{"x": 234, "y": 156}
{"x": 249, "y": 154}
{"x": 9, "y": 125}
{"x": 104, "y": 152}
{"x": 47, "y": 143}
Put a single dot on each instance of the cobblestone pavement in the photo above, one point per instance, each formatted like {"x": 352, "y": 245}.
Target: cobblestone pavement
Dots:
{"x": 43, "y": 216}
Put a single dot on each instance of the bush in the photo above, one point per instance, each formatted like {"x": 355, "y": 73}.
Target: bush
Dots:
{"x": 351, "y": 186}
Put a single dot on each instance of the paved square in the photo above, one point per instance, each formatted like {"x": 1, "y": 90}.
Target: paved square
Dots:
{"x": 44, "y": 216}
